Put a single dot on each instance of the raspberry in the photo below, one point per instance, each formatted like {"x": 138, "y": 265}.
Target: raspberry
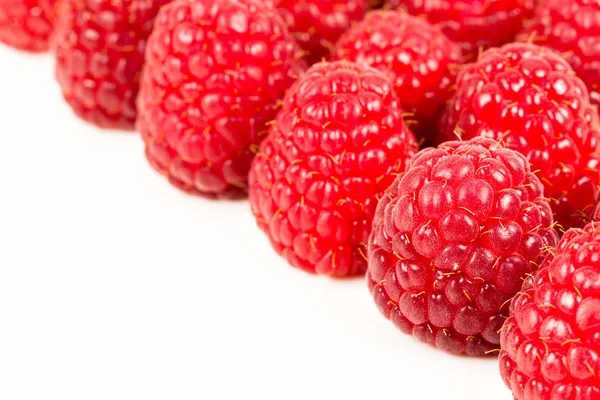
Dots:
{"x": 474, "y": 24}
{"x": 420, "y": 60}
{"x": 551, "y": 342}
{"x": 528, "y": 97}
{"x": 26, "y": 24}
{"x": 453, "y": 238}
{"x": 334, "y": 148}
{"x": 216, "y": 71}
{"x": 99, "y": 55}
{"x": 317, "y": 24}
{"x": 571, "y": 27}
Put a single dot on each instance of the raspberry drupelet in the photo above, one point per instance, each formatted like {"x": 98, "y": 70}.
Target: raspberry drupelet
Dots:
{"x": 215, "y": 74}
{"x": 99, "y": 48}
{"x": 317, "y": 24}
{"x": 529, "y": 97}
{"x": 419, "y": 59}
{"x": 453, "y": 238}
{"x": 551, "y": 342}
{"x": 334, "y": 148}
{"x": 571, "y": 27}
{"x": 473, "y": 24}
{"x": 26, "y": 24}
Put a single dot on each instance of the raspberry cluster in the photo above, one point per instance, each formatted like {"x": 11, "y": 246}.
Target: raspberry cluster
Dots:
{"x": 571, "y": 27}
{"x": 529, "y": 98}
{"x": 26, "y": 24}
{"x": 214, "y": 77}
{"x": 226, "y": 104}
{"x": 453, "y": 238}
{"x": 419, "y": 59}
{"x": 474, "y": 24}
{"x": 551, "y": 342}
{"x": 99, "y": 50}
{"x": 334, "y": 148}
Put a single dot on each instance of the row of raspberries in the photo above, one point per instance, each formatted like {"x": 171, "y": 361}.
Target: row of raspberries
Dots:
{"x": 316, "y": 110}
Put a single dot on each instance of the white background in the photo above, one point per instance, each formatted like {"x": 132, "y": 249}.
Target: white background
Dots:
{"x": 115, "y": 285}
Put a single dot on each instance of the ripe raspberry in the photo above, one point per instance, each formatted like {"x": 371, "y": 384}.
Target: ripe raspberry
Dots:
{"x": 335, "y": 147}
{"x": 571, "y": 27}
{"x": 317, "y": 24}
{"x": 420, "y": 60}
{"x": 474, "y": 24}
{"x": 453, "y": 238}
{"x": 26, "y": 24}
{"x": 99, "y": 48}
{"x": 530, "y": 98}
{"x": 551, "y": 342}
{"x": 216, "y": 71}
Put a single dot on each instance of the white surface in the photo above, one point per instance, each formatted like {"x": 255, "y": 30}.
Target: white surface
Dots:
{"x": 114, "y": 285}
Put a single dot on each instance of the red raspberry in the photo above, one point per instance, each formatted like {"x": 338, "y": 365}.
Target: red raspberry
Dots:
{"x": 334, "y": 148}
{"x": 99, "y": 48}
{"x": 215, "y": 75}
{"x": 571, "y": 27}
{"x": 551, "y": 342}
{"x": 529, "y": 97}
{"x": 474, "y": 24}
{"x": 26, "y": 24}
{"x": 420, "y": 60}
{"x": 453, "y": 238}
{"x": 318, "y": 24}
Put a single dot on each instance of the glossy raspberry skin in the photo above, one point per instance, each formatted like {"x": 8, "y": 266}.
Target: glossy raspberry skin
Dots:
{"x": 99, "y": 48}
{"x": 530, "y": 98}
{"x": 26, "y": 24}
{"x": 420, "y": 60}
{"x": 216, "y": 73}
{"x": 453, "y": 238}
{"x": 571, "y": 27}
{"x": 318, "y": 24}
{"x": 551, "y": 342}
{"x": 474, "y": 24}
{"x": 334, "y": 148}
